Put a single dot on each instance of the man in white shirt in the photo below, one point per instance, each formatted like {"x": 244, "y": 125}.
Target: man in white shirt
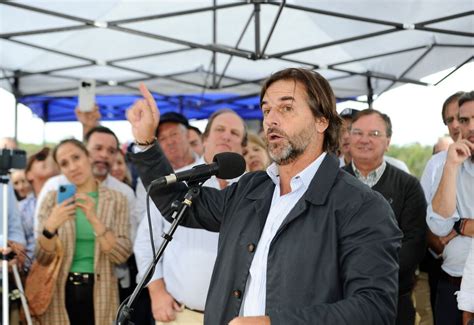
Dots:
{"x": 179, "y": 286}
{"x": 452, "y": 208}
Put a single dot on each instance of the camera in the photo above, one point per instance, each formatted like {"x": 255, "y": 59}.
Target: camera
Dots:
{"x": 11, "y": 159}
{"x": 85, "y": 84}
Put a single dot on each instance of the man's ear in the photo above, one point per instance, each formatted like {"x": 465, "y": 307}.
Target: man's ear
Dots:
{"x": 388, "y": 143}
{"x": 321, "y": 124}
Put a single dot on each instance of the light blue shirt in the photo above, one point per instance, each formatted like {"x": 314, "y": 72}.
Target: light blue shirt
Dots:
{"x": 15, "y": 229}
{"x": 456, "y": 251}
{"x": 255, "y": 294}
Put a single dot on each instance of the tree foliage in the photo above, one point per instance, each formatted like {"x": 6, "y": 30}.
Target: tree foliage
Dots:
{"x": 414, "y": 155}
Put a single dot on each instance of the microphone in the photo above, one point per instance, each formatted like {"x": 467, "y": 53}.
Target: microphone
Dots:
{"x": 226, "y": 165}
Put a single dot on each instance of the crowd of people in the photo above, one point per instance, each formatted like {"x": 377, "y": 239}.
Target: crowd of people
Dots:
{"x": 323, "y": 227}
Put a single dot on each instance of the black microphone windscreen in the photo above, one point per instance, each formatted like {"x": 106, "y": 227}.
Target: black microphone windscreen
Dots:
{"x": 231, "y": 165}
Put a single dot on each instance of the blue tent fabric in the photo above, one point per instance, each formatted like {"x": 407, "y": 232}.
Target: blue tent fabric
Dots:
{"x": 113, "y": 107}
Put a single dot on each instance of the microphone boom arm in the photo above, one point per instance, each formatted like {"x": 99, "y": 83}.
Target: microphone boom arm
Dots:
{"x": 125, "y": 310}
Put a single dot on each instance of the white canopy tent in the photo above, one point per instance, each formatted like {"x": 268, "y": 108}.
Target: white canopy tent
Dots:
{"x": 195, "y": 47}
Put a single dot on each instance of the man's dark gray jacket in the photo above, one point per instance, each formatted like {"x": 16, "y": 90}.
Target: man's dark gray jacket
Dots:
{"x": 334, "y": 259}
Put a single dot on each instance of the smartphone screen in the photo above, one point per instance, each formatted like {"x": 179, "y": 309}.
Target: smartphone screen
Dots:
{"x": 86, "y": 95}
{"x": 65, "y": 192}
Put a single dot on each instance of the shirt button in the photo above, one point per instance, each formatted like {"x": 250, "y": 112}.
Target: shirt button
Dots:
{"x": 251, "y": 248}
{"x": 237, "y": 294}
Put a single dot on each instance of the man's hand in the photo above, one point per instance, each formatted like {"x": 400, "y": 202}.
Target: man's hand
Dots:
{"x": 446, "y": 239}
{"x": 257, "y": 320}
{"x": 459, "y": 151}
{"x": 144, "y": 116}
{"x": 163, "y": 305}
{"x": 88, "y": 119}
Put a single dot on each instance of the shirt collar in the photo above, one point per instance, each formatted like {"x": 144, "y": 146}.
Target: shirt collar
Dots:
{"x": 373, "y": 176}
{"x": 306, "y": 175}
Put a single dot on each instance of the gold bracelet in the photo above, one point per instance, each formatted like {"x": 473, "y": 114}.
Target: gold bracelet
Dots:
{"x": 146, "y": 143}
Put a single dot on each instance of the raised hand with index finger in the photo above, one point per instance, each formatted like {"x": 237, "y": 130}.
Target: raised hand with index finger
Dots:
{"x": 144, "y": 116}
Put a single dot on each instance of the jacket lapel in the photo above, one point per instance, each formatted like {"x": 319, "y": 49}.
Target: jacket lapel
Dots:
{"x": 318, "y": 190}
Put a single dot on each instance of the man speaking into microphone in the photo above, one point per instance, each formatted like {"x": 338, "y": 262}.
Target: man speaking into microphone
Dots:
{"x": 303, "y": 242}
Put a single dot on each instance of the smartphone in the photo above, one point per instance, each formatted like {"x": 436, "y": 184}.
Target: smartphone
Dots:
{"x": 65, "y": 192}
{"x": 86, "y": 95}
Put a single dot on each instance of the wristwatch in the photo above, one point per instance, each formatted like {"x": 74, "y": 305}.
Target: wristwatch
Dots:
{"x": 49, "y": 234}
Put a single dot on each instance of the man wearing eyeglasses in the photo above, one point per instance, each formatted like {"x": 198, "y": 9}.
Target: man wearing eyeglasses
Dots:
{"x": 370, "y": 136}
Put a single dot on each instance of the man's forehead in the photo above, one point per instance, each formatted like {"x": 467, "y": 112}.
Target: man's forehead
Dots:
{"x": 283, "y": 90}
{"x": 229, "y": 120}
{"x": 466, "y": 109}
{"x": 100, "y": 138}
{"x": 168, "y": 127}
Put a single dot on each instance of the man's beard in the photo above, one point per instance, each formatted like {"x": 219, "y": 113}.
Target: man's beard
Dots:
{"x": 291, "y": 149}
{"x": 100, "y": 171}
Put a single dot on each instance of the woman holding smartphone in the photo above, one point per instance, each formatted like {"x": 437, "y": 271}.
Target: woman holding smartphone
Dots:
{"x": 93, "y": 229}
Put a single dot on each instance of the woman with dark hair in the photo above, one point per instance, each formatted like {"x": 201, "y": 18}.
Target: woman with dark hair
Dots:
{"x": 93, "y": 228}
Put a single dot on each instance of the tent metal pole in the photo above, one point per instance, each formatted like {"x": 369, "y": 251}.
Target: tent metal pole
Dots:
{"x": 45, "y": 31}
{"x": 144, "y": 56}
{"x": 341, "y": 15}
{"x": 457, "y": 68}
{"x": 217, "y": 48}
{"x": 337, "y": 42}
{"x": 443, "y": 31}
{"x": 256, "y": 6}
{"x": 214, "y": 41}
{"x": 370, "y": 90}
{"x": 455, "y": 16}
{"x": 176, "y": 13}
{"x": 379, "y": 55}
{"x": 404, "y": 73}
{"x": 275, "y": 21}
{"x": 16, "y": 95}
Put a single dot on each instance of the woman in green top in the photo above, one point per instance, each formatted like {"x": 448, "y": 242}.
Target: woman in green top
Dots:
{"x": 93, "y": 229}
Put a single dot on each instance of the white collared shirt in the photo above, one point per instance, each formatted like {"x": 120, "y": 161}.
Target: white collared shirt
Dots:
{"x": 255, "y": 294}
{"x": 187, "y": 263}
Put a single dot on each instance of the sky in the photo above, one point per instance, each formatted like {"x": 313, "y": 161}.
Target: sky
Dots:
{"x": 415, "y": 112}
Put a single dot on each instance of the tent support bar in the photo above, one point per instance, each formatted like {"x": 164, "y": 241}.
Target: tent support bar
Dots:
{"x": 340, "y": 15}
{"x": 49, "y": 12}
{"x": 444, "y": 31}
{"x": 437, "y": 20}
{"x": 344, "y": 40}
{"x": 217, "y": 48}
{"x": 46, "y": 72}
{"x": 256, "y": 6}
{"x": 275, "y": 21}
{"x": 45, "y": 31}
{"x": 405, "y": 72}
{"x": 381, "y": 76}
{"x": 150, "y": 55}
{"x": 53, "y": 51}
{"x": 236, "y": 46}
{"x": 214, "y": 41}
{"x": 378, "y": 55}
{"x": 174, "y": 14}
{"x": 456, "y": 69}
{"x": 370, "y": 90}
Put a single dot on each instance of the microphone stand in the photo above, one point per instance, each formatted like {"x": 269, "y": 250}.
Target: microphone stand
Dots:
{"x": 125, "y": 310}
